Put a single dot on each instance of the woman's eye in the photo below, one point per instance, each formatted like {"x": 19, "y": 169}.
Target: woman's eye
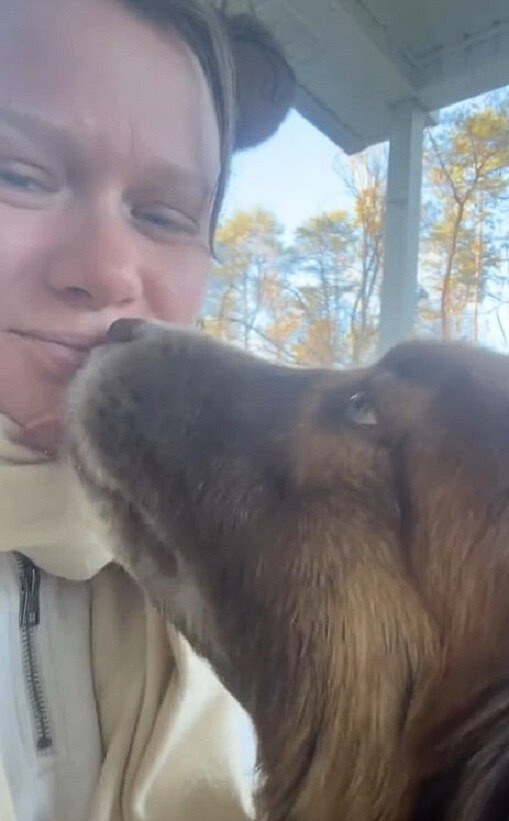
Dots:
{"x": 163, "y": 220}
{"x": 23, "y": 177}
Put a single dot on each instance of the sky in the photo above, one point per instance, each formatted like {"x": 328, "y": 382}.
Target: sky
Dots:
{"x": 292, "y": 175}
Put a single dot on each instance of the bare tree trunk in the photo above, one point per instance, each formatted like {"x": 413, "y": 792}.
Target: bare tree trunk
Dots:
{"x": 479, "y": 247}
{"x": 447, "y": 279}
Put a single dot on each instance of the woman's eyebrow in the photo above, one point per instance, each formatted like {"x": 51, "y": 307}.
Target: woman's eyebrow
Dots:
{"x": 34, "y": 126}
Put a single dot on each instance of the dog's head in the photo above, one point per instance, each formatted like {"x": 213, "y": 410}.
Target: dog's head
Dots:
{"x": 336, "y": 543}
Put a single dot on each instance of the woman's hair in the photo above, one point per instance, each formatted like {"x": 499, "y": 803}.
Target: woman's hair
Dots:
{"x": 203, "y": 30}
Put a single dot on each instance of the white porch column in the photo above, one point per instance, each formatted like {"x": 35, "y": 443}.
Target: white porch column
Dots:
{"x": 402, "y": 222}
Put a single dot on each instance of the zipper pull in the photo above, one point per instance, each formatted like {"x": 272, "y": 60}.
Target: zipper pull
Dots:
{"x": 29, "y": 610}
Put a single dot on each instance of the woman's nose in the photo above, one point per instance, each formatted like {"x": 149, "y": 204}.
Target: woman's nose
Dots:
{"x": 96, "y": 265}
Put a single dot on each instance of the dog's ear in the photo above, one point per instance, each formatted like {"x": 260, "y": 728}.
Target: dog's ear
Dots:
{"x": 455, "y": 395}
{"x": 467, "y": 776}
{"x": 450, "y": 406}
{"x": 265, "y": 83}
{"x": 446, "y": 409}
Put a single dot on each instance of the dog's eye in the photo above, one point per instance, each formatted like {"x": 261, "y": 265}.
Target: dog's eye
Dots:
{"x": 360, "y": 411}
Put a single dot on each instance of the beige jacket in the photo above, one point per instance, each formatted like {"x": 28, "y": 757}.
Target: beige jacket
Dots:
{"x": 169, "y": 730}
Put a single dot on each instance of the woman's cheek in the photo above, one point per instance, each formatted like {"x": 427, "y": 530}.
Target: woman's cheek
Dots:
{"x": 175, "y": 291}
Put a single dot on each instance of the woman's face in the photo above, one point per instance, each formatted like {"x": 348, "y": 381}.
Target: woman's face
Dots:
{"x": 109, "y": 158}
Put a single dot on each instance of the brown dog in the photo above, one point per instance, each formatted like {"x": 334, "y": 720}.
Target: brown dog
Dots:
{"x": 337, "y": 544}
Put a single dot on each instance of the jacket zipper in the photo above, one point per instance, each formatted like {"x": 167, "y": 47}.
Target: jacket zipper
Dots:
{"x": 29, "y": 618}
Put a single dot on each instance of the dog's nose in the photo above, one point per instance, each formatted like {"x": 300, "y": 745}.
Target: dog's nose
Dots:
{"x": 124, "y": 330}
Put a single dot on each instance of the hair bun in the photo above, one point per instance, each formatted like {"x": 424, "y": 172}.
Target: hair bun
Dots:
{"x": 265, "y": 83}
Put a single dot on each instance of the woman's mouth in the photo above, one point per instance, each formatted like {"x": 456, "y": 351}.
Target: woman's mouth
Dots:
{"x": 63, "y": 354}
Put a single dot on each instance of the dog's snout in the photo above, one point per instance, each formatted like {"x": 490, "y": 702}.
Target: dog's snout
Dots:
{"x": 124, "y": 330}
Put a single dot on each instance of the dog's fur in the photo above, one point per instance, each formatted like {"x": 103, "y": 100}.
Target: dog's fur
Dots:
{"x": 337, "y": 544}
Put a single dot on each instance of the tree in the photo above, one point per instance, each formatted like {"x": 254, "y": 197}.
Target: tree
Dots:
{"x": 321, "y": 260}
{"x": 366, "y": 180}
{"x": 466, "y": 164}
{"x": 246, "y": 301}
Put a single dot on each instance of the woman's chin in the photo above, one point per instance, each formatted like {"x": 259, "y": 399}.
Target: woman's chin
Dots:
{"x": 41, "y": 422}
{"x": 30, "y": 395}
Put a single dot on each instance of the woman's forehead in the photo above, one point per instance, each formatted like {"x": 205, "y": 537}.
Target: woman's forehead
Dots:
{"x": 92, "y": 67}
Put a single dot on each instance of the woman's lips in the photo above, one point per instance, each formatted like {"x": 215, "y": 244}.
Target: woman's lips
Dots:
{"x": 62, "y": 355}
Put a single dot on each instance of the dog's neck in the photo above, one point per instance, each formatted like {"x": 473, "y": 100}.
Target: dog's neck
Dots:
{"x": 465, "y": 762}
